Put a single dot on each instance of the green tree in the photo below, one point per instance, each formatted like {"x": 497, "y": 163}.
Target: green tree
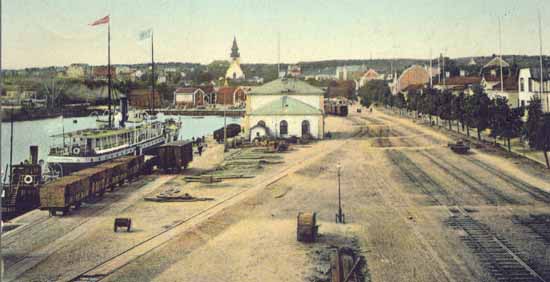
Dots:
{"x": 429, "y": 103}
{"x": 498, "y": 113}
{"x": 457, "y": 109}
{"x": 513, "y": 125}
{"x": 444, "y": 107}
{"x": 477, "y": 111}
{"x": 534, "y": 114}
{"x": 542, "y": 141}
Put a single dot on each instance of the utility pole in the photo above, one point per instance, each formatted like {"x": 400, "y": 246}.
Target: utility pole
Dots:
{"x": 224, "y": 130}
{"x": 500, "y": 51}
{"x": 431, "y": 68}
{"x": 340, "y": 217}
{"x": 541, "y": 67}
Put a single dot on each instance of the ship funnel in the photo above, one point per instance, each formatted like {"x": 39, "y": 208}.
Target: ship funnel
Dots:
{"x": 123, "y": 109}
{"x": 34, "y": 154}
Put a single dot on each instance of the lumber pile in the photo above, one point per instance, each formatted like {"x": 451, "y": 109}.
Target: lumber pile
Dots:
{"x": 175, "y": 195}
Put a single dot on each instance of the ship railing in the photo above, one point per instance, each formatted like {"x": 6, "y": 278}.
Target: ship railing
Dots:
{"x": 71, "y": 150}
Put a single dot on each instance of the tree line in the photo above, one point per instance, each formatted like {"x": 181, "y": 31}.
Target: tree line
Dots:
{"x": 477, "y": 111}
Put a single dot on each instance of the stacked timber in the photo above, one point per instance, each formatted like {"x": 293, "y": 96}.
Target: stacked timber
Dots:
{"x": 63, "y": 193}
{"x": 174, "y": 157}
{"x": 233, "y": 130}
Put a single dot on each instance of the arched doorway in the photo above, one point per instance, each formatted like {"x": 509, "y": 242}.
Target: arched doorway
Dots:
{"x": 262, "y": 123}
{"x": 283, "y": 128}
{"x": 305, "y": 128}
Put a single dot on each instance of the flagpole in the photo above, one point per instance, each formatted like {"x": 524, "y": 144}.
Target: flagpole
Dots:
{"x": 152, "y": 106}
{"x": 109, "y": 101}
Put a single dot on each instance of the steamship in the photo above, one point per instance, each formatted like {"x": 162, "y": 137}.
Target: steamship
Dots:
{"x": 89, "y": 147}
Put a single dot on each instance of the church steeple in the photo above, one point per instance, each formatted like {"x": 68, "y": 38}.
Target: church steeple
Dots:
{"x": 235, "y": 49}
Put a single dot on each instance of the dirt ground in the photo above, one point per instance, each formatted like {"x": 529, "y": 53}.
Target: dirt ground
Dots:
{"x": 414, "y": 211}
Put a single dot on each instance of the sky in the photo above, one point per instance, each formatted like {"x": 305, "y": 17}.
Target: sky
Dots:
{"x": 39, "y": 33}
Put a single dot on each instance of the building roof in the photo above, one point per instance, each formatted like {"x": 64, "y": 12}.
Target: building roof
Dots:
{"x": 289, "y": 86}
{"x": 495, "y": 62}
{"x": 510, "y": 84}
{"x": 286, "y": 105}
{"x": 461, "y": 80}
{"x": 535, "y": 74}
{"x": 339, "y": 91}
{"x": 186, "y": 90}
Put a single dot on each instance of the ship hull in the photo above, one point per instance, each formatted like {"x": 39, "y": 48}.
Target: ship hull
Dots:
{"x": 70, "y": 164}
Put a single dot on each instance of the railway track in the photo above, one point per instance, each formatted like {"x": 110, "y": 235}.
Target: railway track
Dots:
{"x": 489, "y": 193}
{"x": 538, "y": 224}
{"x": 499, "y": 257}
{"x": 503, "y": 261}
{"x": 533, "y": 191}
{"x": 420, "y": 179}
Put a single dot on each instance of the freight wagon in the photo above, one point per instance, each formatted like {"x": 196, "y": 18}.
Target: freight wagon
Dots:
{"x": 336, "y": 109}
{"x": 63, "y": 193}
{"x": 97, "y": 178}
{"x": 233, "y": 130}
{"x": 174, "y": 156}
{"x": 72, "y": 190}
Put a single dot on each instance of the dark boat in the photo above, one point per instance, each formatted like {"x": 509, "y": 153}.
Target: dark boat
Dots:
{"x": 21, "y": 193}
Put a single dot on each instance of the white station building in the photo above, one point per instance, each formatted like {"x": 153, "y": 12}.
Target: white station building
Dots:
{"x": 284, "y": 108}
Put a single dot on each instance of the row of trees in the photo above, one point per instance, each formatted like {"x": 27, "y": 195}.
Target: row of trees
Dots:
{"x": 469, "y": 111}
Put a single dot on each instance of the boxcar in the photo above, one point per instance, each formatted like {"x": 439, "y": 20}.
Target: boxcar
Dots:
{"x": 97, "y": 178}
{"x": 63, "y": 193}
{"x": 175, "y": 156}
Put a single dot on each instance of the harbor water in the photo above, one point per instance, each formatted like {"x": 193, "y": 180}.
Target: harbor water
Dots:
{"x": 39, "y": 132}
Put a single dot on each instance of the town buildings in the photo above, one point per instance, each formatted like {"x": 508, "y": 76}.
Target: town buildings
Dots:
{"x": 78, "y": 71}
{"x": 144, "y": 99}
{"x": 413, "y": 76}
{"x": 232, "y": 96}
{"x": 284, "y": 108}
{"x": 188, "y": 97}
{"x": 530, "y": 86}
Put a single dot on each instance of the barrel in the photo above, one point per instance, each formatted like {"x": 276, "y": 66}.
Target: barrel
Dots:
{"x": 307, "y": 227}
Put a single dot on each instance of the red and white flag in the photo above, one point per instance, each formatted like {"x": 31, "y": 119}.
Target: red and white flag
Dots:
{"x": 103, "y": 20}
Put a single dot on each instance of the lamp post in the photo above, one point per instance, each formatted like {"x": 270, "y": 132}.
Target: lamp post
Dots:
{"x": 224, "y": 131}
{"x": 340, "y": 217}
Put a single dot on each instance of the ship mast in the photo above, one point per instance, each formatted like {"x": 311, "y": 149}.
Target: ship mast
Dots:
{"x": 109, "y": 100}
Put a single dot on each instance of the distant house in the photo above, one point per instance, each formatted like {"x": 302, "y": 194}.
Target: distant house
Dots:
{"x": 283, "y": 108}
{"x": 457, "y": 84}
{"x": 77, "y": 71}
{"x": 143, "y": 99}
{"x": 508, "y": 91}
{"x": 415, "y": 75}
{"x": 230, "y": 96}
{"x": 294, "y": 71}
{"x": 369, "y": 75}
{"x": 529, "y": 86}
{"x": 189, "y": 97}
{"x": 101, "y": 72}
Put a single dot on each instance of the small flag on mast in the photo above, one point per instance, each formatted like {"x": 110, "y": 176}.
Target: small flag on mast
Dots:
{"x": 145, "y": 34}
{"x": 103, "y": 20}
